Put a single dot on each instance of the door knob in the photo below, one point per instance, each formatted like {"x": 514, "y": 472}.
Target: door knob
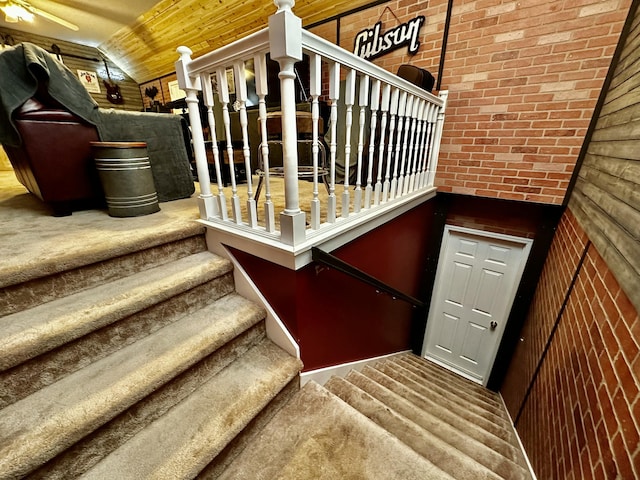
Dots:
{"x": 493, "y": 325}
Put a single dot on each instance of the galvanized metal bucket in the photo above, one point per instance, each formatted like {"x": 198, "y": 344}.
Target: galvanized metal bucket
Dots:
{"x": 125, "y": 173}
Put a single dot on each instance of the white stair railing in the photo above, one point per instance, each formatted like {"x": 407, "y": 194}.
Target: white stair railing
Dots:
{"x": 378, "y": 137}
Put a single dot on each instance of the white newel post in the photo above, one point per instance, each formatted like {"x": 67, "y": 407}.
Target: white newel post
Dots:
{"x": 433, "y": 164}
{"x": 191, "y": 85}
{"x": 285, "y": 40}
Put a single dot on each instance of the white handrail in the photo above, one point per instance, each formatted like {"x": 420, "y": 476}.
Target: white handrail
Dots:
{"x": 334, "y": 53}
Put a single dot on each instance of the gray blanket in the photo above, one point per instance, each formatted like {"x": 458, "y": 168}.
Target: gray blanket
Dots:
{"x": 26, "y": 68}
{"x": 23, "y": 69}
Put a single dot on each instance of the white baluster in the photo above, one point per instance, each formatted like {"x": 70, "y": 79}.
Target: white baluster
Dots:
{"x": 207, "y": 96}
{"x": 386, "y": 94}
{"x": 191, "y": 85}
{"x": 375, "y": 104}
{"x": 315, "y": 91}
{"x": 285, "y": 40}
{"x": 404, "y": 156}
{"x": 241, "y": 98}
{"x": 433, "y": 115}
{"x": 349, "y": 100}
{"x": 334, "y": 95}
{"x": 421, "y": 146}
{"x": 424, "y": 148}
{"x": 402, "y": 104}
{"x": 363, "y": 101}
{"x": 260, "y": 67}
{"x": 410, "y": 177}
{"x": 393, "y": 111}
{"x": 223, "y": 94}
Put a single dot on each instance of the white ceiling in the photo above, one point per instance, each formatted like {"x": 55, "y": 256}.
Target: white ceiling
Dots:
{"x": 98, "y": 19}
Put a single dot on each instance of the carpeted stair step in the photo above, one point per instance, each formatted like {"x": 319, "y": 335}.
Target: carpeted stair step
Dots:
{"x": 83, "y": 455}
{"x": 428, "y": 444}
{"x": 28, "y": 333}
{"x": 473, "y": 425}
{"x": 428, "y": 369}
{"x": 20, "y": 293}
{"x": 35, "y": 429}
{"x": 461, "y": 440}
{"x": 461, "y": 390}
{"x": 389, "y": 377}
{"x": 184, "y": 440}
{"x": 318, "y": 436}
{"x": 234, "y": 448}
{"x": 409, "y": 378}
{"x": 49, "y": 367}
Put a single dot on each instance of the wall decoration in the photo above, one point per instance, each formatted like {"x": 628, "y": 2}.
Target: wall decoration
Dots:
{"x": 175, "y": 92}
{"x": 371, "y": 43}
{"x": 89, "y": 80}
{"x": 231, "y": 81}
{"x": 113, "y": 90}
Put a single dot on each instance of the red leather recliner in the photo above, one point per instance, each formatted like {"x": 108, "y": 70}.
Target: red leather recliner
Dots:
{"x": 48, "y": 119}
{"x": 55, "y": 161}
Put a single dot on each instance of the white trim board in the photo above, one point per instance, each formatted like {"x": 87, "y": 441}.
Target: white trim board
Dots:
{"x": 277, "y": 332}
{"x": 515, "y": 432}
{"x": 322, "y": 375}
{"x": 345, "y": 230}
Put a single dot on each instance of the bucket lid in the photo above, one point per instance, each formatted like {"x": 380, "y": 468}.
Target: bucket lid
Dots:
{"x": 119, "y": 144}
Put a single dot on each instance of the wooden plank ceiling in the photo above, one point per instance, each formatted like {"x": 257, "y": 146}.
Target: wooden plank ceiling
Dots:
{"x": 147, "y": 49}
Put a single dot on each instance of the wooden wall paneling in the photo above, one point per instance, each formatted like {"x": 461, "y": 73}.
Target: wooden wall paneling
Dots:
{"x": 599, "y": 228}
{"x": 616, "y": 130}
{"x": 605, "y": 199}
{"x": 615, "y": 177}
{"x": 620, "y": 221}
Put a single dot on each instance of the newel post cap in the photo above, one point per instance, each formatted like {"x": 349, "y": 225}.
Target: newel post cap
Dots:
{"x": 185, "y": 82}
{"x": 284, "y": 4}
{"x": 285, "y": 32}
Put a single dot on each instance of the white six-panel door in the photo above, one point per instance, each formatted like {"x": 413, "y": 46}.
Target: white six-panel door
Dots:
{"x": 476, "y": 282}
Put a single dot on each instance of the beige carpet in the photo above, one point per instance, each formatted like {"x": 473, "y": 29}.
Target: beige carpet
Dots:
{"x": 403, "y": 418}
{"x": 34, "y": 243}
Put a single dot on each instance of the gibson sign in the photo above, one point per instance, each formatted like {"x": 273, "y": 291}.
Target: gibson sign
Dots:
{"x": 370, "y": 43}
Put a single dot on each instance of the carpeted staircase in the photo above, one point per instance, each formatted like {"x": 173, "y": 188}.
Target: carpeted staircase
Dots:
{"x": 149, "y": 365}
{"x": 145, "y": 365}
{"x": 405, "y": 418}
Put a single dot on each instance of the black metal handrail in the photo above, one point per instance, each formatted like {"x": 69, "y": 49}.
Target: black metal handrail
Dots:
{"x": 334, "y": 262}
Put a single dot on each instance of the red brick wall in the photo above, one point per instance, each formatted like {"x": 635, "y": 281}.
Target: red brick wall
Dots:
{"x": 581, "y": 418}
{"x": 391, "y": 14}
{"x": 523, "y": 77}
{"x": 562, "y": 261}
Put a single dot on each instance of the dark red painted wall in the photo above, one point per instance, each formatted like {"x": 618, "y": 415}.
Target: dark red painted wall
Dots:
{"x": 337, "y": 319}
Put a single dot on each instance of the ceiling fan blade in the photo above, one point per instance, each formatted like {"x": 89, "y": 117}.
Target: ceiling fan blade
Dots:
{"x": 50, "y": 16}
